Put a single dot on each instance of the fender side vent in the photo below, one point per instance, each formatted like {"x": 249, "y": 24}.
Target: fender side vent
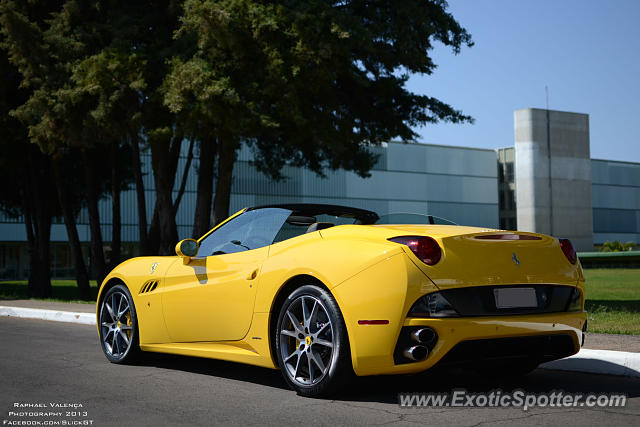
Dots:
{"x": 148, "y": 286}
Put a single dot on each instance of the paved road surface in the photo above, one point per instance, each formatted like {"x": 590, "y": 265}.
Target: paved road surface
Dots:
{"x": 44, "y": 362}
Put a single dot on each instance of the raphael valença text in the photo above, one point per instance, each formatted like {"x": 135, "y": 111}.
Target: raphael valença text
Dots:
{"x": 47, "y": 405}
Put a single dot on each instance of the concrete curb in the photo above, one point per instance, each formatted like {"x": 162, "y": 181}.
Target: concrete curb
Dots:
{"x": 54, "y": 315}
{"x": 605, "y": 362}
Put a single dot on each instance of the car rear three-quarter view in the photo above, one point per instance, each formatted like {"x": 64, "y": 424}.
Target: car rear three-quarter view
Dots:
{"x": 321, "y": 292}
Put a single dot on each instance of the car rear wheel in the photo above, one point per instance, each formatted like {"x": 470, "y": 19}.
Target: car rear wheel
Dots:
{"x": 311, "y": 342}
{"x": 119, "y": 326}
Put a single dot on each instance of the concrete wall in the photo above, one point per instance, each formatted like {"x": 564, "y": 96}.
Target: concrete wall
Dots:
{"x": 553, "y": 192}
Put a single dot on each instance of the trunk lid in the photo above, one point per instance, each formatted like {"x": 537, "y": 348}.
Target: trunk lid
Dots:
{"x": 473, "y": 256}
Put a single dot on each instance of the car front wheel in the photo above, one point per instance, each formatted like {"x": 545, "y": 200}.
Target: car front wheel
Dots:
{"x": 119, "y": 326}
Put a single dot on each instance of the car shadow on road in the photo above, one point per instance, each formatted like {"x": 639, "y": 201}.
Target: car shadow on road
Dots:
{"x": 216, "y": 368}
{"x": 385, "y": 389}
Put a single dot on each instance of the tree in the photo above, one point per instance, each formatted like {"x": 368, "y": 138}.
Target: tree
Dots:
{"x": 113, "y": 74}
{"x": 196, "y": 121}
{"x": 44, "y": 54}
{"x": 309, "y": 83}
{"x": 114, "y": 80}
{"x": 142, "y": 32}
{"x": 25, "y": 183}
{"x": 33, "y": 187}
{"x": 60, "y": 117}
{"x": 95, "y": 73}
{"x": 26, "y": 172}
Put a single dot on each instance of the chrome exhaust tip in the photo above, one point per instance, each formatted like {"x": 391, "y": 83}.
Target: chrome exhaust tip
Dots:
{"x": 423, "y": 336}
{"x": 416, "y": 352}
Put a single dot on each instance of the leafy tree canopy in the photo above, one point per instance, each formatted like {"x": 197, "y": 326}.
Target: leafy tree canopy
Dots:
{"x": 312, "y": 83}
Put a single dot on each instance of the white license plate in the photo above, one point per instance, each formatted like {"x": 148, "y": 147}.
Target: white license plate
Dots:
{"x": 515, "y": 298}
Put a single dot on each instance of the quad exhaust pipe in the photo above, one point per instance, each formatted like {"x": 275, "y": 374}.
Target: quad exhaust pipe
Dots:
{"x": 423, "y": 336}
{"x": 416, "y": 353}
{"x": 418, "y": 343}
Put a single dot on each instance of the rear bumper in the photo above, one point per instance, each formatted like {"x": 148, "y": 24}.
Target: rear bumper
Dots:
{"x": 554, "y": 335}
{"x": 387, "y": 290}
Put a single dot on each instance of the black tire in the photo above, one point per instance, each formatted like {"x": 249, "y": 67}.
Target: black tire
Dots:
{"x": 119, "y": 326}
{"x": 310, "y": 343}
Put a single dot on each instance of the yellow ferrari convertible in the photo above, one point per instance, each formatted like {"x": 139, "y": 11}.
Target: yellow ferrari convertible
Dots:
{"x": 321, "y": 292}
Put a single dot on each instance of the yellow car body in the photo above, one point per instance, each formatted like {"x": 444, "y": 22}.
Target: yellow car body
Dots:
{"x": 224, "y": 306}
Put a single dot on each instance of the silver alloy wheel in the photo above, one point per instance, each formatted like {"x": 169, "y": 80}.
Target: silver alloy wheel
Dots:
{"x": 116, "y": 324}
{"x": 306, "y": 346}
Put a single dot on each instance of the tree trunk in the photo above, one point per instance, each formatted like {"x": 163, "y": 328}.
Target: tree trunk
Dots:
{"x": 31, "y": 239}
{"x": 82, "y": 277}
{"x": 116, "y": 242}
{"x": 202, "y": 217}
{"x": 37, "y": 204}
{"x": 185, "y": 176}
{"x": 164, "y": 176}
{"x": 142, "y": 207}
{"x": 43, "y": 219}
{"x": 34, "y": 269}
{"x": 226, "y": 160}
{"x": 34, "y": 281}
{"x": 97, "y": 248}
{"x": 153, "y": 239}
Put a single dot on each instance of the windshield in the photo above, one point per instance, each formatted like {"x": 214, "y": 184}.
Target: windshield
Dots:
{"x": 413, "y": 218}
{"x": 259, "y": 227}
{"x": 249, "y": 230}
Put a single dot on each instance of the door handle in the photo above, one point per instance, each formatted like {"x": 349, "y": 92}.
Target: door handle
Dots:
{"x": 253, "y": 274}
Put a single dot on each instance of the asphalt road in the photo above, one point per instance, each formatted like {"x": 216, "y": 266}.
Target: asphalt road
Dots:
{"x": 50, "y": 362}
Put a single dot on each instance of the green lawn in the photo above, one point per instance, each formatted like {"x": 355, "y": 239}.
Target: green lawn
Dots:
{"x": 613, "y": 300}
{"x": 63, "y": 290}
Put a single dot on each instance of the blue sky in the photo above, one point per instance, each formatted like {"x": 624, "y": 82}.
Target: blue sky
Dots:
{"x": 587, "y": 52}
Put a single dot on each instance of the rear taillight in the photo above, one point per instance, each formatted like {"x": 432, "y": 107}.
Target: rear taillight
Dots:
{"x": 425, "y": 248}
{"x": 568, "y": 250}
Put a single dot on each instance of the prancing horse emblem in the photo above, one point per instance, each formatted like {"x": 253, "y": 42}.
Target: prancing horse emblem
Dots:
{"x": 515, "y": 259}
{"x": 155, "y": 265}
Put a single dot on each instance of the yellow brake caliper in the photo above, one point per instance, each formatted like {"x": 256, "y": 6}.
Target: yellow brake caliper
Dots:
{"x": 128, "y": 318}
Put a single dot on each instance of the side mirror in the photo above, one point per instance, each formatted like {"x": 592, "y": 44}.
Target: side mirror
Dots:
{"x": 186, "y": 249}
